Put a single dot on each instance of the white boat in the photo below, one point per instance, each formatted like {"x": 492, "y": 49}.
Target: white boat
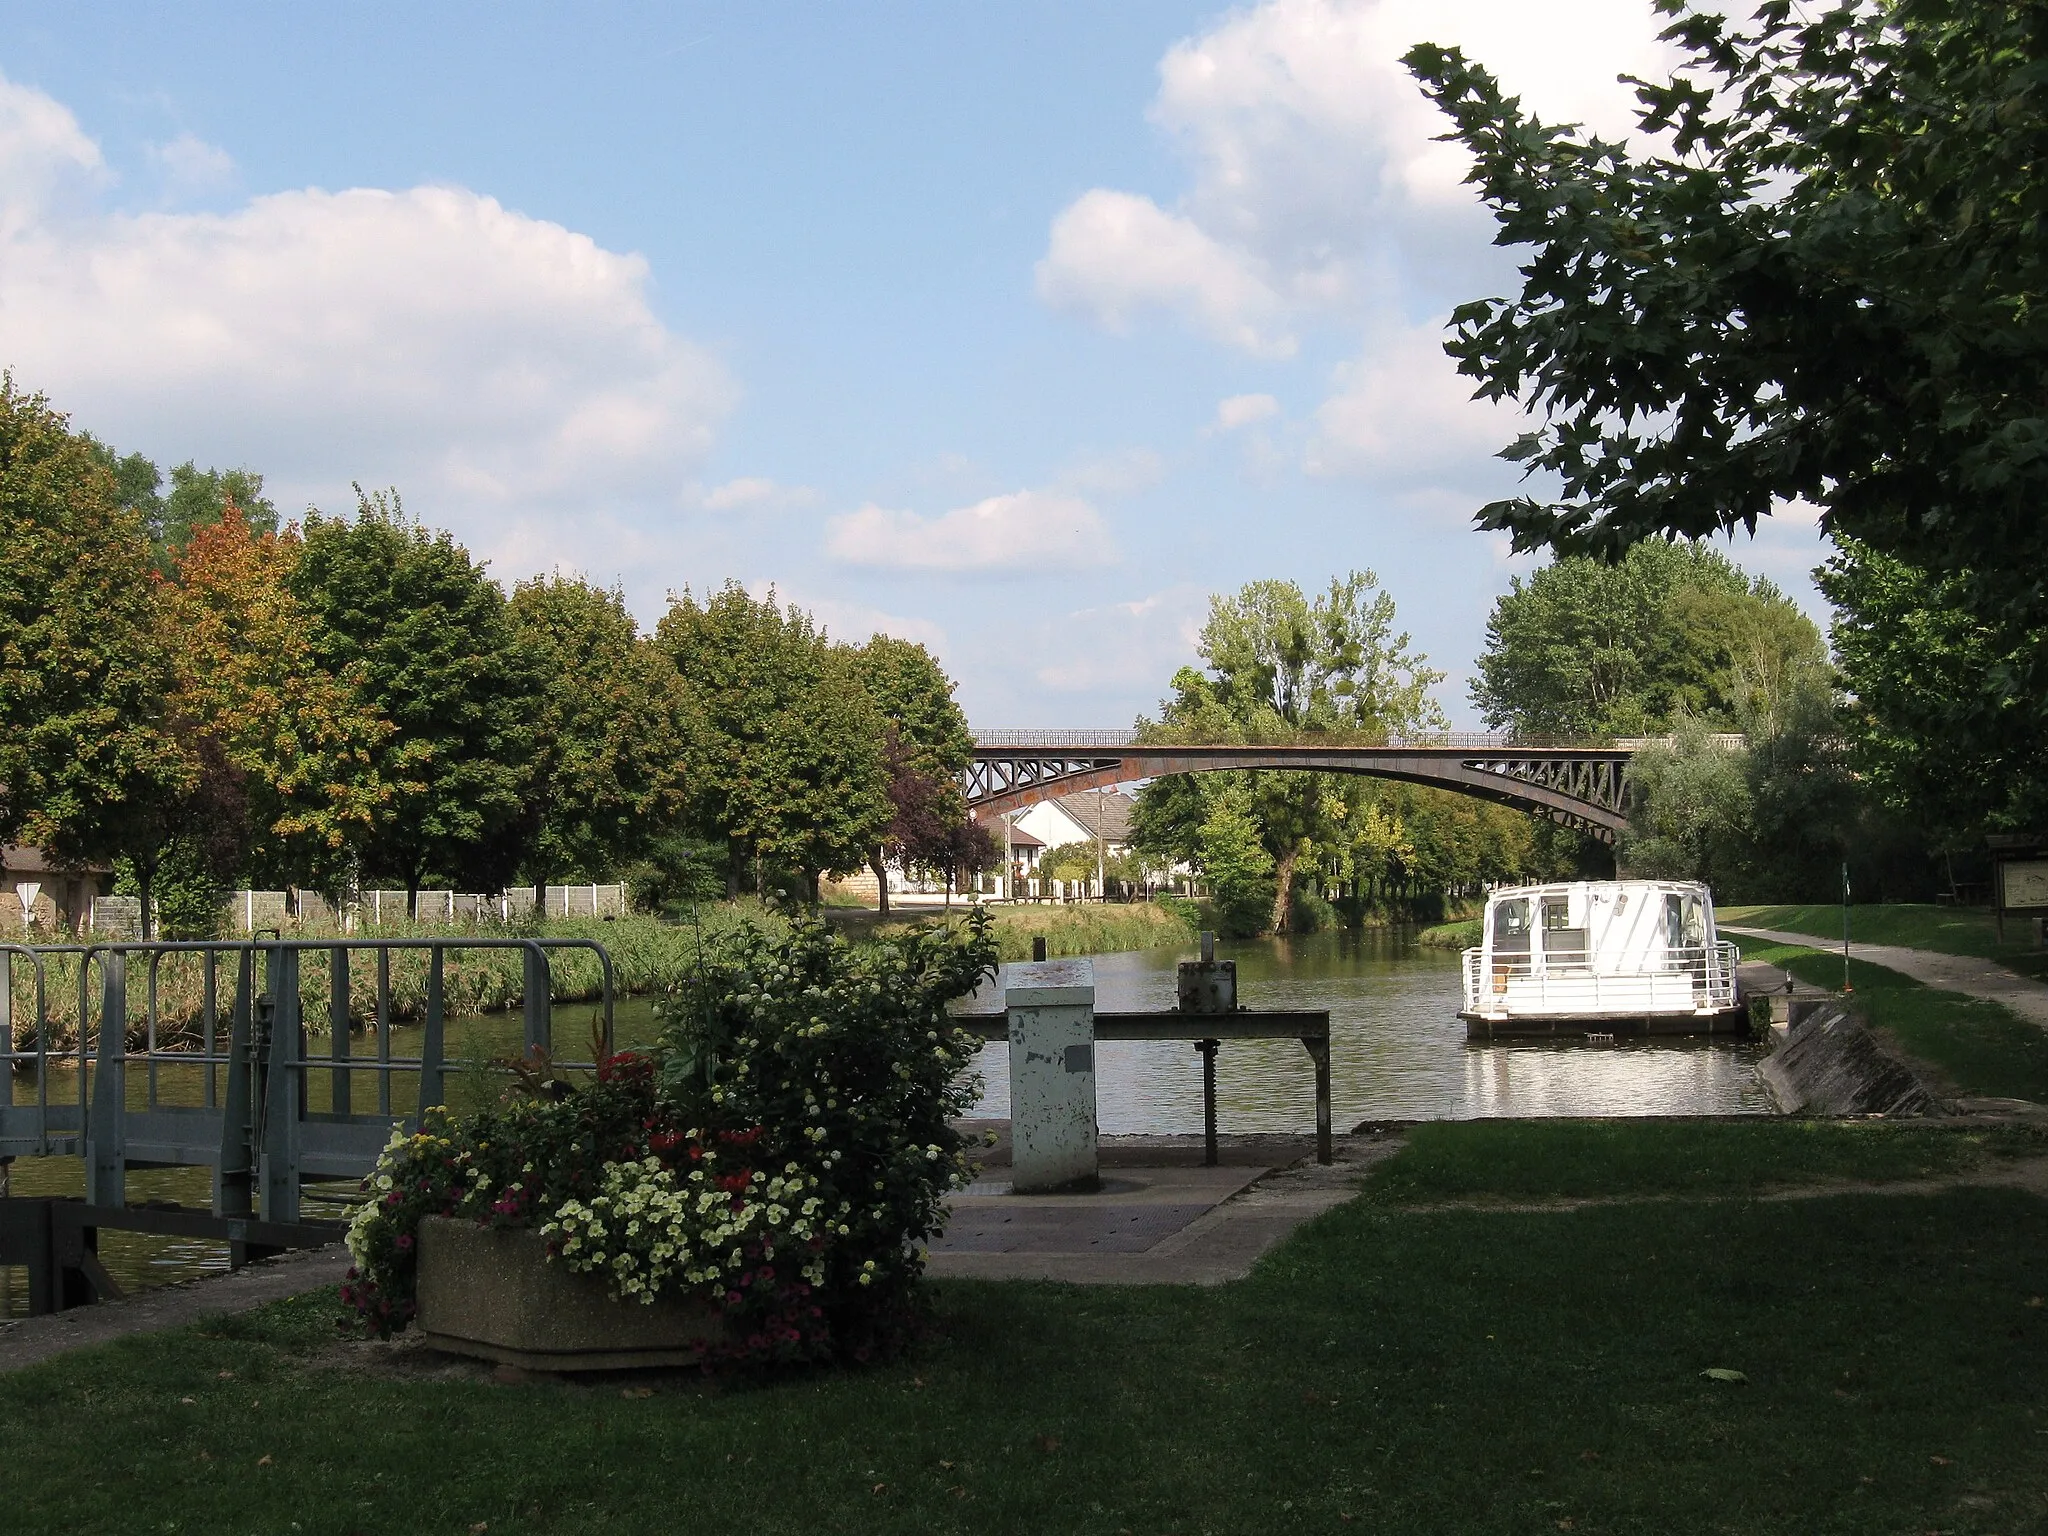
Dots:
{"x": 1619, "y": 956}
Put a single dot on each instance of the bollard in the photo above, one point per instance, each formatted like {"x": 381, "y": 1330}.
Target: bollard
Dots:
{"x": 1050, "y": 1008}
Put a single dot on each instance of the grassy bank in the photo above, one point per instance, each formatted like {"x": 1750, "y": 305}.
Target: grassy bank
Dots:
{"x": 1945, "y": 930}
{"x": 1460, "y": 935}
{"x": 1388, "y": 1369}
{"x": 1085, "y": 928}
{"x": 1976, "y": 1047}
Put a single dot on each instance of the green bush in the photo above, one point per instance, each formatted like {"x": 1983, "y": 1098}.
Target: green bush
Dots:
{"x": 782, "y": 1154}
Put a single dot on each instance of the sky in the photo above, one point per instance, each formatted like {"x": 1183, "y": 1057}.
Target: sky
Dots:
{"x": 1014, "y": 329}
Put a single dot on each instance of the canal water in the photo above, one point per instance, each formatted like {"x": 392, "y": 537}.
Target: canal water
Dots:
{"x": 1398, "y": 1052}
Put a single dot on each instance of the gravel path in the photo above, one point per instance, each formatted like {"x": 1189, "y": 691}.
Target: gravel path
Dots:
{"x": 1967, "y": 974}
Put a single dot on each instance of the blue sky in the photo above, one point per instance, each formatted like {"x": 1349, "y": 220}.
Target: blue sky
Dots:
{"x": 1013, "y": 329}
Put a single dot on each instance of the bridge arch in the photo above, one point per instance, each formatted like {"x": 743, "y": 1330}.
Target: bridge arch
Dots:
{"x": 1584, "y": 787}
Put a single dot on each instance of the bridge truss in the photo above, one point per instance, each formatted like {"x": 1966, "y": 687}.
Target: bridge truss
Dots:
{"x": 1581, "y": 787}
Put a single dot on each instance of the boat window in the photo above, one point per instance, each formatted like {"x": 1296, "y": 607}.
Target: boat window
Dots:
{"x": 1674, "y": 922}
{"x": 1511, "y": 924}
{"x": 1557, "y": 913}
{"x": 1695, "y": 924}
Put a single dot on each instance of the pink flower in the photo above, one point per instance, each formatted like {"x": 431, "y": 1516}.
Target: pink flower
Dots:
{"x": 404, "y": 1242}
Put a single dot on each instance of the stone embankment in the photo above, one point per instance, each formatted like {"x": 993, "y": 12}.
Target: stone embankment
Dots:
{"x": 1829, "y": 1063}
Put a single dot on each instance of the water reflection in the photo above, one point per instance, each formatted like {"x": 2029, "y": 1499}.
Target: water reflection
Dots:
{"x": 1398, "y": 1050}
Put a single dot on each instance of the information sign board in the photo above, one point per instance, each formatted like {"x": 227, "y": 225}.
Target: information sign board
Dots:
{"x": 2023, "y": 884}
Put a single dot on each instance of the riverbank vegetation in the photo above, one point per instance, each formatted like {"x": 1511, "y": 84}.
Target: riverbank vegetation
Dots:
{"x": 1428, "y": 1365}
{"x": 648, "y": 956}
{"x": 204, "y": 698}
{"x": 1293, "y": 852}
{"x": 1969, "y": 1045}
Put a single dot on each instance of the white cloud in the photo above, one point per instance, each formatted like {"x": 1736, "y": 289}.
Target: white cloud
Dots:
{"x": 756, "y": 492}
{"x": 495, "y": 366}
{"x": 1023, "y": 531}
{"x": 190, "y": 165}
{"x": 1317, "y": 175}
{"x": 1123, "y": 646}
{"x": 1242, "y": 410}
{"x": 1402, "y": 411}
{"x": 1114, "y": 253}
{"x": 45, "y": 157}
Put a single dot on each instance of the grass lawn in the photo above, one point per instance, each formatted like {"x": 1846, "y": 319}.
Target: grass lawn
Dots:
{"x": 1945, "y": 930}
{"x": 1980, "y": 1047}
{"x": 1705, "y": 1159}
{"x": 1461, "y": 1370}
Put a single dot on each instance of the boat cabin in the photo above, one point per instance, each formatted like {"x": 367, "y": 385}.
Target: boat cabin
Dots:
{"x": 1600, "y": 955}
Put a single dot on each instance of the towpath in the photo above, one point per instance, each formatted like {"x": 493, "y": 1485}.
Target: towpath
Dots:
{"x": 1967, "y": 974}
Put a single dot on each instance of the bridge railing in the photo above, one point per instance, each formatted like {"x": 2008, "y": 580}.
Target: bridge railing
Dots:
{"x": 252, "y": 1116}
{"x": 1486, "y": 741}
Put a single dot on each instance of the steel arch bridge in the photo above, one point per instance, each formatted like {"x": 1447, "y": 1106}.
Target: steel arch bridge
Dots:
{"x": 1583, "y": 787}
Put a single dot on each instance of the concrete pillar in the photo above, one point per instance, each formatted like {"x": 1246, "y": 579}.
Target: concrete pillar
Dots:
{"x": 1051, "y": 1011}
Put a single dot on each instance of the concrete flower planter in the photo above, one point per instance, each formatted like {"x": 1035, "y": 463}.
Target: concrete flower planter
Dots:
{"x": 494, "y": 1295}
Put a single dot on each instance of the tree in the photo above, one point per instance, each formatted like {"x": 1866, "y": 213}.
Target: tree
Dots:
{"x": 1585, "y": 649}
{"x": 1824, "y": 283}
{"x": 302, "y": 741}
{"x": 198, "y": 498}
{"x": 1691, "y": 809}
{"x": 929, "y": 745}
{"x": 426, "y": 630}
{"x": 1233, "y": 859}
{"x": 610, "y": 734}
{"x": 787, "y": 758}
{"x": 87, "y": 756}
{"x": 1909, "y": 643}
{"x": 1284, "y": 668}
{"x": 827, "y": 797}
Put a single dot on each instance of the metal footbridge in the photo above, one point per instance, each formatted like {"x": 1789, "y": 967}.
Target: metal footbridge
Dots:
{"x": 1584, "y": 787}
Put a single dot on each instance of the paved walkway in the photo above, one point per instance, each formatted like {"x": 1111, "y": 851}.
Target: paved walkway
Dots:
{"x": 1160, "y": 1218}
{"x": 1967, "y": 974}
{"x": 34, "y": 1339}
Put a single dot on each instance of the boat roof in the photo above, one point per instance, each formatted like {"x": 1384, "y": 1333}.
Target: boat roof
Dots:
{"x": 1566, "y": 887}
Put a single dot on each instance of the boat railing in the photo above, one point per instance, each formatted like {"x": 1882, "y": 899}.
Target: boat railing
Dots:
{"x": 1575, "y": 980}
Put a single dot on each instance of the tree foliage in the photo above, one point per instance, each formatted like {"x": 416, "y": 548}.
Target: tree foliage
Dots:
{"x": 928, "y": 745}
{"x": 425, "y": 629}
{"x": 303, "y": 739}
{"x": 1282, "y": 667}
{"x": 87, "y": 753}
{"x": 1909, "y": 644}
{"x": 1823, "y": 281}
{"x": 610, "y": 730}
{"x": 788, "y": 757}
{"x": 1585, "y": 649}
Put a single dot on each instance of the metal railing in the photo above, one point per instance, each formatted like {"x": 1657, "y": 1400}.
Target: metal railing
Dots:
{"x": 255, "y": 1125}
{"x": 1055, "y": 739}
{"x": 1699, "y": 978}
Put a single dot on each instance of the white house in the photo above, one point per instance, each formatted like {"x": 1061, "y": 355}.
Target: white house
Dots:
{"x": 1081, "y": 818}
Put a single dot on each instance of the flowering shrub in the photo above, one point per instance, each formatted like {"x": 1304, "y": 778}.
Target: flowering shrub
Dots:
{"x": 845, "y": 1061}
{"x": 782, "y": 1155}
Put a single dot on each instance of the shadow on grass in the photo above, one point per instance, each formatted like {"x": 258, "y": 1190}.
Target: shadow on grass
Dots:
{"x": 1446, "y": 1371}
